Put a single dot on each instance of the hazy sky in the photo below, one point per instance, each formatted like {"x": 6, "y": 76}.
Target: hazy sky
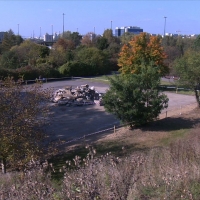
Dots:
{"x": 84, "y": 15}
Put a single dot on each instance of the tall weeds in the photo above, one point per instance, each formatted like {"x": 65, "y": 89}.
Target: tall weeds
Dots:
{"x": 171, "y": 172}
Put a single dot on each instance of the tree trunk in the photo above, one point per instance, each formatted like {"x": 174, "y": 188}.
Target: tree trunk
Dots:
{"x": 3, "y": 165}
{"x": 197, "y": 97}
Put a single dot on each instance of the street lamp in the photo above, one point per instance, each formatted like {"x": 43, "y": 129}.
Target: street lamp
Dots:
{"x": 63, "y": 24}
{"x": 18, "y": 28}
{"x": 40, "y": 32}
{"x": 94, "y": 29}
{"x": 52, "y": 31}
{"x": 164, "y": 26}
{"x": 111, "y": 24}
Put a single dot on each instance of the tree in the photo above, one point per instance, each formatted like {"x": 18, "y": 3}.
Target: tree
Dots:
{"x": 73, "y": 37}
{"x": 22, "y": 113}
{"x": 9, "y": 60}
{"x": 143, "y": 48}
{"x": 94, "y": 57}
{"x": 102, "y": 43}
{"x": 65, "y": 44}
{"x": 188, "y": 68}
{"x": 108, "y": 35}
{"x": 89, "y": 40}
{"x": 59, "y": 56}
{"x": 135, "y": 98}
{"x": 196, "y": 43}
{"x": 10, "y": 40}
{"x": 126, "y": 37}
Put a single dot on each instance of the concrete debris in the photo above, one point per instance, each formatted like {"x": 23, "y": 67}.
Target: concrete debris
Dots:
{"x": 79, "y": 96}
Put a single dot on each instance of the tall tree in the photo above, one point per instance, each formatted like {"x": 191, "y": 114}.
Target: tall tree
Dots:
{"x": 135, "y": 98}
{"x": 108, "y": 35}
{"x": 10, "y": 40}
{"x": 74, "y": 37}
{"x": 22, "y": 113}
{"x": 142, "y": 48}
{"x": 188, "y": 68}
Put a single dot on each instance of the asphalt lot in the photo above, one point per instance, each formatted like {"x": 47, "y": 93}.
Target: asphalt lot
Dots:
{"x": 72, "y": 122}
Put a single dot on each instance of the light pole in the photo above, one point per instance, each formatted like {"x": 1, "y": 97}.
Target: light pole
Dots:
{"x": 40, "y": 32}
{"x": 164, "y": 26}
{"x": 94, "y": 29}
{"x": 18, "y": 28}
{"x": 52, "y": 31}
{"x": 111, "y": 24}
{"x": 63, "y": 24}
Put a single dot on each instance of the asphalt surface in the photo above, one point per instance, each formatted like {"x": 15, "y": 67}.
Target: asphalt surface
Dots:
{"x": 72, "y": 122}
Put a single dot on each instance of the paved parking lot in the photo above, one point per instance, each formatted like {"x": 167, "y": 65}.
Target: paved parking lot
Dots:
{"x": 72, "y": 122}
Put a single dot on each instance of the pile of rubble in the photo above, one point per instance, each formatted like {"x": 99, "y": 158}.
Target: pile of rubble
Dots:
{"x": 83, "y": 95}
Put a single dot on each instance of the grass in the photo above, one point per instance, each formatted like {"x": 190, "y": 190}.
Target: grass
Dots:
{"x": 159, "y": 161}
{"x": 174, "y": 135}
{"x": 124, "y": 142}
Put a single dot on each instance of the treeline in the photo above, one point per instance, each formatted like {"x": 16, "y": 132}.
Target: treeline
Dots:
{"x": 74, "y": 55}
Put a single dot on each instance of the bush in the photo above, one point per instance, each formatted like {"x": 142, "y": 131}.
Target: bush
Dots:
{"x": 76, "y": 69}
{"x": 31, "y": 73}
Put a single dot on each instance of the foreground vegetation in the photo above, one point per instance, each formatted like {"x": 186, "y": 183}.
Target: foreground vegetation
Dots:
{"x": 165, "y": 167}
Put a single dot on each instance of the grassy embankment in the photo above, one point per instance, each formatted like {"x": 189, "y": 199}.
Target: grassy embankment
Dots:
{"x": 158, "y": 161}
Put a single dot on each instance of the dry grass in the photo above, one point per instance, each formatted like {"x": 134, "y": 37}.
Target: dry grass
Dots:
{"x": 163, "y": 163}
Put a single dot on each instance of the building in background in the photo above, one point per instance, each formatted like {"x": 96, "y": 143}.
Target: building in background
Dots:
{"x": 2, "y": 36}
{"x": 127, "y": 29}
{"x": 48, "y": 38}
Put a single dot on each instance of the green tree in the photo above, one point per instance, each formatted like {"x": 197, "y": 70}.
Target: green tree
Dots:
{"x": 126, "y": 37}
{"x": 196, "y": 43}
{"x": 108, "y": 35}
{"x": 29, "y": 53}
{"x": 9, "y": 60}
{"x": 75, "y": 38}
{"x": 10, "y": 40}
{"x": 22, "y": 113}
{"x": 94, "y": 57}
{"x": 188, "y": 68}
{"x": 135, "y": 98}
{"x": 102, "y": 43}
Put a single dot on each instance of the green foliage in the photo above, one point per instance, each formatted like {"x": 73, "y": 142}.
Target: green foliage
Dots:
{"x": 135, "y": 99}
{"x": 10, "y": 40}
{"x": 75, "y": 68}
{"x": 102, "y": 43}
{"x": 31, "y": 73}
{"x": 196, "y": 44}
{"x": 9, "y": 60}
{"x": 94, "y": 57}
{"x": 188, "y": 68}
{"x": 126, "y": 37}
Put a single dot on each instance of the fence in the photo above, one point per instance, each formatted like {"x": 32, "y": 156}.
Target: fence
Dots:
{"x": 166, "y": 113}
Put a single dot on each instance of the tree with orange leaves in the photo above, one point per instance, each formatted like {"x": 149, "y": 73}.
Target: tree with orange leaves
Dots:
{"x": 134, "y": 96}
{"x": 142, "y": 49}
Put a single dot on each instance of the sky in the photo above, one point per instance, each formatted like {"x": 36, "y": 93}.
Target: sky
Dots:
{"x": 28, "y": 17}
